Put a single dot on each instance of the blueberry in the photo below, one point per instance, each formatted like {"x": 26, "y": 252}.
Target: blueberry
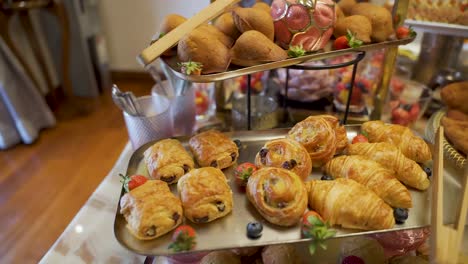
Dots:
{"x": 254, "y": 229}
{"x": 238, "y": 143}
{"x": 326, "y": 177}
{"x": 400, "y": 215}
{"x": 428, "y": 171}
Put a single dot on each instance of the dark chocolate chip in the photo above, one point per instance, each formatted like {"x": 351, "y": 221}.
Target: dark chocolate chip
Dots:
{"x": 175, "y": 216}
{"x": 220, "y": 205}
{"x": 286, "y": 165}
{"x": 233, "y": 156}
{"x": 168, "y": 179}
{"x": 263, "y": 152}
{"x": 293, "y": 162}
{"x": 186, "y": 168}
{"x": 151, "y": 231}
{"x": 282, "y": 204}
{"x": 214, "y": 163}
{"x": 201, "y": 219}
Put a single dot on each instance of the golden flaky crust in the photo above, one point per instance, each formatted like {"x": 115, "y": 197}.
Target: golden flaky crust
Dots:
{"x": 279, "y": 195}
{"x": 213, "y": 148}
{"x": 205, "y": 195}
{"x": 372, "y": 175}
{"x": 151, "y": 210}
{"x": 412, "y": 146}
{"x": 340, "y": 133}
{"x": 317, "y": 135}
{"x": 167, "y": 160}
{"x": 455, "y": 131}
{"x": 454, "y": 96}
{"x": 349, "y": 204}
{"x": 389, "y": 156}
{"x": 285, "y": 153}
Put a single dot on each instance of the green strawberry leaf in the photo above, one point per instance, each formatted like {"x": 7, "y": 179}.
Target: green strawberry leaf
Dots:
{"x": 353, "y": 42}
{"x": 190, "y": 67}
{"x": 296, "y": 51}
{"x": 124, "y": 180}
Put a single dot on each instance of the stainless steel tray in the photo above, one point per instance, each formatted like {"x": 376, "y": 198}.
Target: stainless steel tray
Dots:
{"x": 230, "y": 231}
{"x": 234, "y": 71}
{"x": 438, "y": 28}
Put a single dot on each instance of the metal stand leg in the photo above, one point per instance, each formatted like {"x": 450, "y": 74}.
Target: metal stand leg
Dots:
{"x": 149, "y": 260}
{"x": 285, "y": 99}
{"x": 249, "y": 93}
{"x": 350, "y": 93}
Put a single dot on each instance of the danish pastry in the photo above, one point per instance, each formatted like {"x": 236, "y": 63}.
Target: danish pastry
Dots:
{"x": 167, "y": 160}
{"x": 349, "y": 204}
{"x": 214, "y": 149}
{"x": 372, "y": 175}
{"x": 340, "y": 133}
{"x": 287, "y": 154}
{"x": 205, "y": 195}
{"x": 279, "y": 195}
{"x": 151, "y": 210}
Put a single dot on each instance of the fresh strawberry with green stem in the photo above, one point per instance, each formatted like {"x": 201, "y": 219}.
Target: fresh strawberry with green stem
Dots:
{"x": 243, "y": 172}
{"x": 191, "y": 67}
{"x": 360, "y": 138}
{"x": 133, "y": 181}
{"x": 183, "y": 239}
{"x": 296, "y": 51}
{"x": 314, "y": 227}
{"x": 347, "y": 41}
{"x": 405, "y": 32}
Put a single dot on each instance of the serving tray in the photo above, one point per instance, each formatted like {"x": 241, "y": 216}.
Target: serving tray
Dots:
{"x": 230, "y": 231}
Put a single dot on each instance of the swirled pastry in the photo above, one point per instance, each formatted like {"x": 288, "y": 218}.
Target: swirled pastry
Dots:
{"x": 372, "y": 175}
{"x": 205, "y": 195}
{"x": 340, "y": 133}
{"x": 151, "y": 210}
{"x": 167, "y": 160}
{"x": 287, "y": 154}
{"x": 317, "y": 135}
{"x": 279, "y": 195}
{"x": 412, "y": 146}
{"x": 349, "y": 204}
{"x": 389, "y": 156}
{"x": 214, "y": 149}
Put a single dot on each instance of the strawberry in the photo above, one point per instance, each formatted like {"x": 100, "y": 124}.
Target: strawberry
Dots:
{"x": 296, "y": 51}
{"x": 183, "y": 239}
{"x": 132, "y": 182}
{"x": 414, "y": 112}
{"x": 347, "y": 41}
{"x": 191, "y": 67}
{"x": 351, "y": 259}
{"x": 243, "y": 172}
{"x": 359, "y": 138}
{"x": 314, "y": 227}
{"x": 405, "y": 32}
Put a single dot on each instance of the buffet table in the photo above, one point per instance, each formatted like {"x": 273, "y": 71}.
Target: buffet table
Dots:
{"x": 89, "y": 238}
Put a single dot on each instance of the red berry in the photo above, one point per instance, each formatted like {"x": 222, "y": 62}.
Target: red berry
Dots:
{"x": 359, "y": 138}
{"x": 341, "y": 43}
{"x": 414, "y": 112}
{"x": 183, "y": 239}
{"x": 352, "y": 260}
{"x": 133, "y": 181}
{"x": 243, "y": 172}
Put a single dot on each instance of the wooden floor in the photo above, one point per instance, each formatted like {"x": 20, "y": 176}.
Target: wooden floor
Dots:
{"x": 43, "y": 185}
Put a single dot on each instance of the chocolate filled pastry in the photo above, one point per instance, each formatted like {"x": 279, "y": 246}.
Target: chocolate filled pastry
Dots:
{"x": 151, "y": 210}
{"x": 167, "y": 160}
{"x": 318, "y": 136}
{"x": 287, "y": 154}
{"x": 205, "y": 195}
{"x": 214, "y": 149}
{"x": 279, "y": 195}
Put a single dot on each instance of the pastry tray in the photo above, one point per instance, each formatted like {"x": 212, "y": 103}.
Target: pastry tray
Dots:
{"x": 230, "y": 231}
{"x": 237, "y": 71}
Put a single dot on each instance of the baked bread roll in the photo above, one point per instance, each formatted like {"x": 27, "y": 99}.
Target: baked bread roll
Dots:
{"x": 389, "y": 156}
{"x": 412, "y": 146}
{"x": 257, "y": 19}
{"x": 167, "y": 160}
{"x": 151, "y": 210}
{"x": 349, "y": 204}
{"x": 372, "y": 175}
{"x": 220, "y": 257}
{"x": 287, "y": 154}
{"x": 280, "y": 254}
{"x": 454, "y": 96}
{"x": 213, "y": 148}
{"x": 455, "y": 131}
{"x": 279, "y": 195}
{"x": 380, "y": 17}
{"x": 317, "y": 135}
{"x": 205, "y": 195}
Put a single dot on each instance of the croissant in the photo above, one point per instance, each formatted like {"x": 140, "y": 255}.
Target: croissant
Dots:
{"x": 279, "y": 195}
{"x": 372, "y": 175}
{"x": 412, "y": 146}
{"x": 317, "y": 135}
{"x": 349, "y": 204}
{"x": 389, "y": 156}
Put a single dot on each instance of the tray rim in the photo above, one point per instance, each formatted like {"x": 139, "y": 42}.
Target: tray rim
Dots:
{"x": 294, "y": 241}
{"x": 280, "y": 64}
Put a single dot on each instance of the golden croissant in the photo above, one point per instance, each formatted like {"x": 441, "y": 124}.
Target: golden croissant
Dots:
{"x": 349, "y": 204}
{"x": 389, "y": 156}
{"x": 412, "y": 146}
{"x": 372, "y": 175}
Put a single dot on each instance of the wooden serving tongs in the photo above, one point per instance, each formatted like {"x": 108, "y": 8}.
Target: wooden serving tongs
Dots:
{"x": 445, "y": 240}
{"x": 151, "y": 53}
